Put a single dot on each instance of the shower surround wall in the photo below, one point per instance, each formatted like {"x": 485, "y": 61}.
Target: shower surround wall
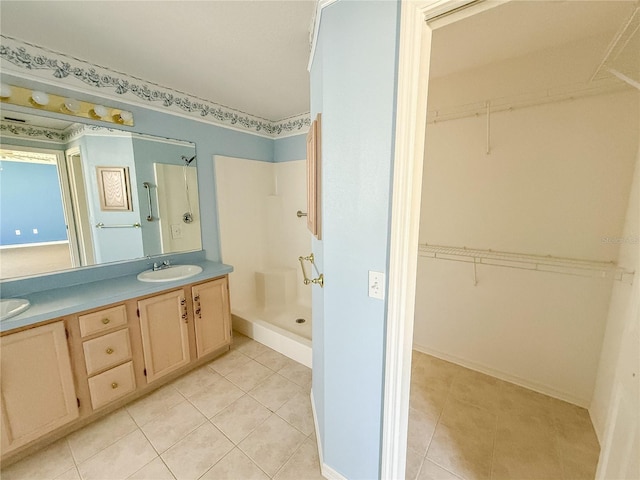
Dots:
{"x": 556, "y": 182}
{"x": 262, "y": 237}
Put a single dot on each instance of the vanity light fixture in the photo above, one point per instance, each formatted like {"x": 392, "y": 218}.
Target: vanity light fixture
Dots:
{"x": 72, "y": 105}
{"x": 40, "y": 98}
{"x": 5, "y": 90}
{"x": 25, "y": 97}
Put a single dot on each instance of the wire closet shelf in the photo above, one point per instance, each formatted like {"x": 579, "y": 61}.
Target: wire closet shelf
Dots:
{"x": 523, "y": 261}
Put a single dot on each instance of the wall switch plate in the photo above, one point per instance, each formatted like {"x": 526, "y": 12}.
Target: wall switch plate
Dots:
{"x": 376, "y": 285}
{"x": 176, "y": 231}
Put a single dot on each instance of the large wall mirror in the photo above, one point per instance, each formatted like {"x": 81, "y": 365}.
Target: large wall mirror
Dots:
{"x": 75, "y": 195}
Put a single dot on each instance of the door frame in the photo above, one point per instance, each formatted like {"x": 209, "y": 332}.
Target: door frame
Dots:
{"x": 418, "y": 20}
{"x": 63, "y": 181}
{"x": 82, "y": 226}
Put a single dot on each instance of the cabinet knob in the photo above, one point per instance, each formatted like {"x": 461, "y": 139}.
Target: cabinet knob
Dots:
{"x": 105, "y": 321}
{"x": 196, "y": 298}
{"x": 114, "y": 385}
{"x": 184, "y": 315}
{"x": 183, "y": 302}
{"x": 198, "y": 311}
{"x": 109, "y": 351}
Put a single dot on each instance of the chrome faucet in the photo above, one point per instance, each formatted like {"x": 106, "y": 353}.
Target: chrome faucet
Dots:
{"x": 161, "y": 266}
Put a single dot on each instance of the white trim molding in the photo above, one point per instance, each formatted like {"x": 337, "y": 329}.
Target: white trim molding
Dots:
{"x": 25, "y": 60}
{"x": 315, "y": 29}
{"x": 411, "y": 116}
{"x": 326, "y": 471}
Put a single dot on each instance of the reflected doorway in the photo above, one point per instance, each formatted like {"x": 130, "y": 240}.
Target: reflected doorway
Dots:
{"x": 37, "y": 234}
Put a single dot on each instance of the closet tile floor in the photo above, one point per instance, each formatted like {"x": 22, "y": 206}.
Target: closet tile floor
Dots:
{"x": 246, "y": 415}
{"x": 466, "y": 425}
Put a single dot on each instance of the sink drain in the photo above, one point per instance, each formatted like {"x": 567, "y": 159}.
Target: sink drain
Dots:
{"x": 300, "y": 320}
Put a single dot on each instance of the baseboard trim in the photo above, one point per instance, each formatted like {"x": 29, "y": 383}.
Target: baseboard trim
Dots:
{"x": 522, "y": 382}
{"x": 326, "y": 471}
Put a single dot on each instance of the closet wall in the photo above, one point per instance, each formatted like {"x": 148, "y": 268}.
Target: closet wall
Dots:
{"x": 556, "y": 182}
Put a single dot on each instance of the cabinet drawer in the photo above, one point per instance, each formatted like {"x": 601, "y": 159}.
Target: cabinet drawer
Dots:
{"x": 107, "y": 351}
{"x": 111, "y": 385}
{"x": 102, "y": 320}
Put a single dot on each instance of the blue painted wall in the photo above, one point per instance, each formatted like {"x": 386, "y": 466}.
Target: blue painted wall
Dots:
{"x": 289, "y": 149}
{"x": 353, "y": 85}
{"x": 30, "y": 199}
{"x": 147, "y": 152}
{"x": 111, "y": 244}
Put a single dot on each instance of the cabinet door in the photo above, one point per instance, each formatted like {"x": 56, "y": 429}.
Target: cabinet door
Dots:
{"x": 165, "y": 336}
{"x": 212, "y": 315}
{"x": 38, "y": 395}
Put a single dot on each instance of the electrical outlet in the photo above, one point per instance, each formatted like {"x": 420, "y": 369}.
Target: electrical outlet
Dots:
{"x": 376, "y": 285}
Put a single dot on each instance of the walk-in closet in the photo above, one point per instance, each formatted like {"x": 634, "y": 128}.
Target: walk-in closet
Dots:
{"x": 528, "y": 229}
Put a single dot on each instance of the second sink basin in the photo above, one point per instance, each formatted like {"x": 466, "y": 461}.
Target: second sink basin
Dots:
{"x": 169, "y": 274}
{"x": 10, "y": 307}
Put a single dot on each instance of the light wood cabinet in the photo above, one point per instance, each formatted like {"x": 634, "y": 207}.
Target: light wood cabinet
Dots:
{"x": 212, "y": 315}
{"x": 61, "y": 375}
{"x": 38, "y": 393}
{"x": 165, "y": 334}
{"x": 107, "y": 371}
{"x": 111, "y": 385}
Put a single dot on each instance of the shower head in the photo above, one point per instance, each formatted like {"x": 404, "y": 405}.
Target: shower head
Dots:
{"x": 187, "y": 161}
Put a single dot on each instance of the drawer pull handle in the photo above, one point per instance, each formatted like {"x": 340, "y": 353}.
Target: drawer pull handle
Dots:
{"x": 183, "y": 302}
{"x": 196, "y": 298}
{"x": 198, "y": 310}
{"x": 184, "y": 315}
{"x": 109, "y": 351}
{"x": 114, "y": 385}
{"x": 105, "y": 321}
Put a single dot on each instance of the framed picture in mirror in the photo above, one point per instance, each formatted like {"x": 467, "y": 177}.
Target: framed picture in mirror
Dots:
{"x": 114, "y": 188}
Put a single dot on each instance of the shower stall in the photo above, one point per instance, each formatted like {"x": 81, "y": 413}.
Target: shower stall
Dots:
{"x": 262, "y": 235}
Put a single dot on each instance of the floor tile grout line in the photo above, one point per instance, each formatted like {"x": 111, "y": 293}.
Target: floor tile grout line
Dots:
{"x": 493, "y": 448}
{"x": 76, "y": 463}
{"x": 290, "y": 457}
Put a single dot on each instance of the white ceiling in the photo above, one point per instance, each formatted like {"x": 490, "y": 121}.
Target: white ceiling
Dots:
{"x": 247, "y": 55}
{"x": 521, "y": 27}
{"x": 251, "y": 55}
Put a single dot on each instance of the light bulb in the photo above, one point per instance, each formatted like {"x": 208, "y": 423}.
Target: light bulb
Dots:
{"x": 72, "y": 105}
{"x": 101, "y": 111}
{"x": 5, "y": 90}
{"x": 40, "y": 98}
{"x": 126, "y": 116}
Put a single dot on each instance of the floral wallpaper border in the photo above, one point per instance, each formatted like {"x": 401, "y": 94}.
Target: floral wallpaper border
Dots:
{"x": 63, "y": 68}
{"x": 33, "y": 133}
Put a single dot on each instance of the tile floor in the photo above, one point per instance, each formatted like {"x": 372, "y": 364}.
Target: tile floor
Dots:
{"x": 246, "y": 415}
{"x": 466, "y": 425}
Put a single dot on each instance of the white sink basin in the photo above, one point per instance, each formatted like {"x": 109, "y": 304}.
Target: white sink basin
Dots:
{"x": 10, "y": 307}
{"x": 169, "y": 274}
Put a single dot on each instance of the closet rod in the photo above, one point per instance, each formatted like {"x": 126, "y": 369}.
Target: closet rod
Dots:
{"x": 502, "y": 104}
{"x": 524, "y": 261}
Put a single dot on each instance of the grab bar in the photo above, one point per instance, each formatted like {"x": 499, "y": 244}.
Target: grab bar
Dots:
{"x": 102, "y": 225}
{"x": 147, "y": 186}
{"x": 319, "y": 280}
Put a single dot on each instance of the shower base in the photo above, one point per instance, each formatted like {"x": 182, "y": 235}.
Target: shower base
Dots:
{"x": 286, "y": 329}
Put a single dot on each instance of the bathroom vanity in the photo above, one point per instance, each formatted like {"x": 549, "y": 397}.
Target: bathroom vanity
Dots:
{"x": 62, "y": 371}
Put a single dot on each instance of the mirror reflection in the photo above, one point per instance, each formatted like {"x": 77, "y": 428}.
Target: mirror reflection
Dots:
{"x": 74, "y": 195}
